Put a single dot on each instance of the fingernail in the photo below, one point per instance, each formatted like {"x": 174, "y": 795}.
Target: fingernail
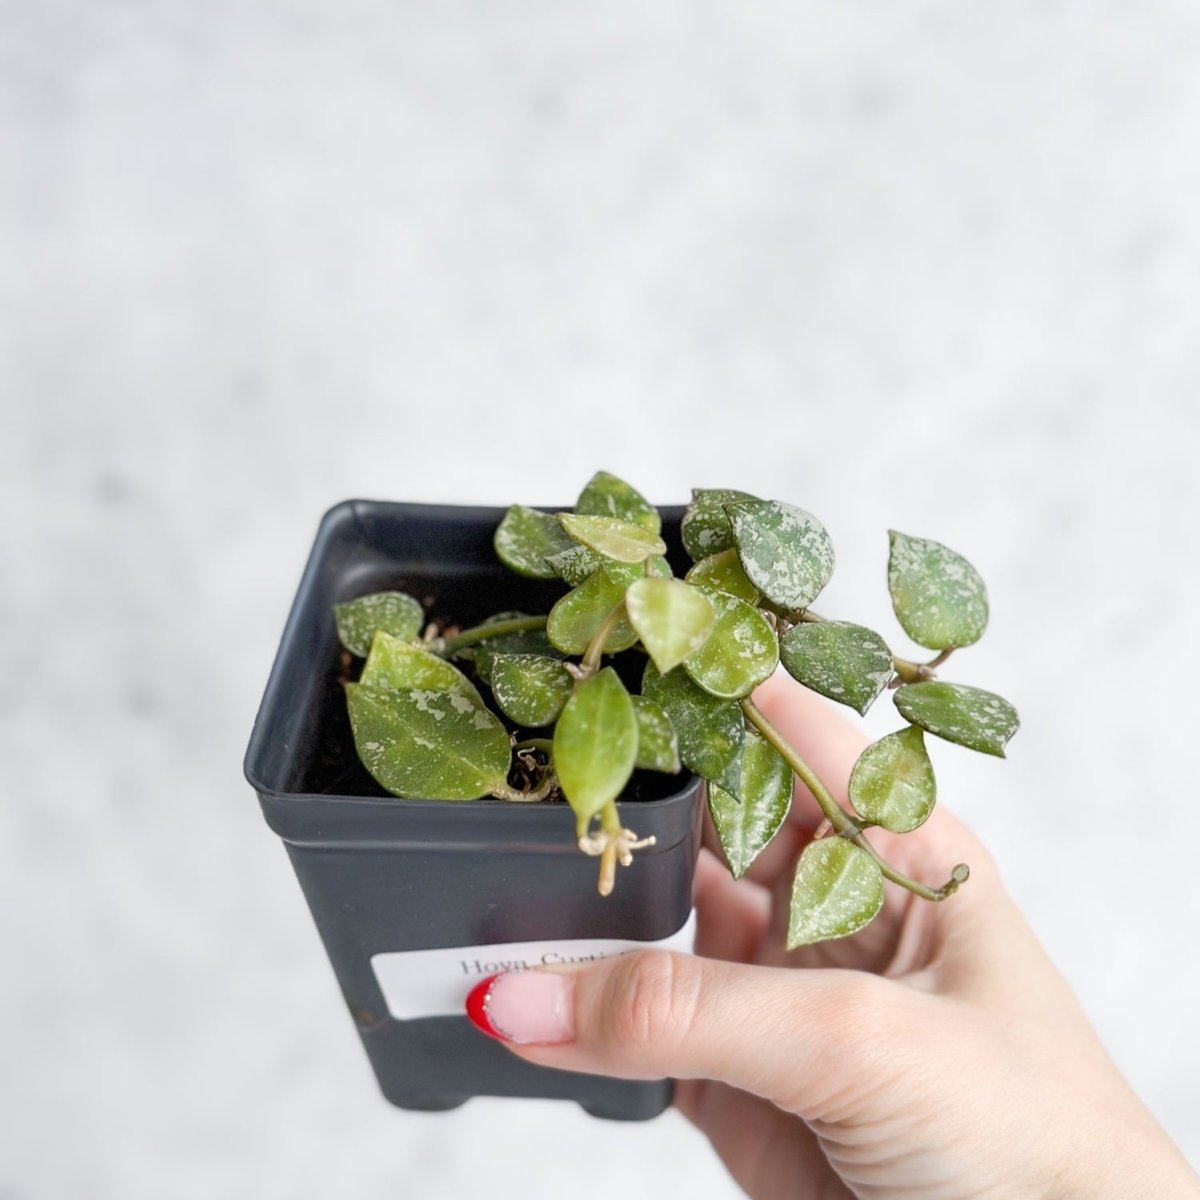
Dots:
{"x": 524, "y": 1007}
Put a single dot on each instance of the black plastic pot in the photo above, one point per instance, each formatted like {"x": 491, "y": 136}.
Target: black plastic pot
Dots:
{"x": 384, "y": 876}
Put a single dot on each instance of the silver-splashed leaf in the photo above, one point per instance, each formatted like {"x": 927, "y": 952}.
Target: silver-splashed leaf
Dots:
{"x": 396, "y": 613}
{"x": 622, "y": 541}
{"x": 723, "y": 572}
{"x": 607, "y": 496}
{"x": 576, "y": 617}
{"x": 658, "y": 746}
{"x": 939, "y": 598}
{"x": 969, "y": 716}
{"x": 530, "y": 690}
{"x": 744, "y": 829}
{"x": 784, "y": 551}
{"x": 837, "y": 891}
{"x": 705, "y": 528}
{"x": 526, "y": 538}
{"x": 892, "y": 784}
{"x": 397, "y": 665}
{"x": 848, "y": 663}
{"x": 740, "y": 653}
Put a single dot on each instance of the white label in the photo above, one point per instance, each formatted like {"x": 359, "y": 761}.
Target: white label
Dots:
{"x": 435, "y": 983}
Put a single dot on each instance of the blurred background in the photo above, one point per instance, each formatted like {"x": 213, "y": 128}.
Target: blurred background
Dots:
{"x": 933, "y": 266}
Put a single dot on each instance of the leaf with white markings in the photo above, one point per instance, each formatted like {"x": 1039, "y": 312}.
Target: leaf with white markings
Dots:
{"x": 710, "y": 730}
{"x": 577, "y": 617}
{"x": 969, "y": 716}
{"x": 723, "y": 573}
{"x": 622, "y": 541}
{"x": 595, "y": 744}
{"x": 939, "y": 598}
{"x": 784, "y": 550}
{"x": 530, "y": 689}
{"x": 672, "y": 618}
{"x": 574, "y": 566}
{"x": 526, "y": 538}
{"x": 739, "y": 654}
{"x": 528, "y": 641}
{"x": 892, "y": 784}
{"x": 402, "y": 665}
{"x": 658, "y": 747}
{"x": 428, "y": 745}
{"x": 745, "y": 828}
{"x": 837, "y": 891}
{"x": 848, "y": 663}
{"x": 705, "y": 527}
{"x": 607, "y": 496}
{"x": 394, "y": 612}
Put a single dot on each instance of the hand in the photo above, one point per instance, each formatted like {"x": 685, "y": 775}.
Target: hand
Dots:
{"x": 937, "y": 1054}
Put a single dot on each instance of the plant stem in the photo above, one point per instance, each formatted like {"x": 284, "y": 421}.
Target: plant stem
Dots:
{"x": 595, "y": 648}
{"x": 541, "y": 792}
{"x": 545, "y": 745}
{"x": 479, "y": 633}
{"x": 833, "y": 812}
{"x": 610, "y": 822}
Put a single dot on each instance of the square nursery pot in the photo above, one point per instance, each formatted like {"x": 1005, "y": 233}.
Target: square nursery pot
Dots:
{"x": 416, "y": 900}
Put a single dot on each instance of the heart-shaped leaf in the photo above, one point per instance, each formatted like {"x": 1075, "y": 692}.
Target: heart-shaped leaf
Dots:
{"x": 723, "y": 573}
{"x": 623, "y": 541}
{"x": 892, "y": 784}
{"x": 393, "y": 612}
{"x": 423, "y": 744}
{"x": 530, "y": 689}
{"x": 607, "y": 496}
{"x": 529, "y": 641}
{"x": 740, "y": 652}
{"x": 785, "y": 551}
{"x": 576, "y": 618}
{"x": 393, "y": 664}
{"x": 671, "y": 617}
{"x": 939, "y": 598}
{"x": 969, "y": 716}
{"x": 744, "y": 828}
{"x": 658, "y": 747}
{"x": 705, "y": 527}
{"x": 710, "y": 730}
{"x": 837, "y": 891}
{"x": 526, "y": 538}
{"x": 848, "y": 663}
{"x": 595, "y": 744}
{"x": 575, "y": 565}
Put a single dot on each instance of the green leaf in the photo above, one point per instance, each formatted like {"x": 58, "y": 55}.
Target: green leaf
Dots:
{"x": 671, "y": 617}
{"x": 710, "y": 730}
{"x": 393, "y": 612}
{"x": 848, "y": 663}
{"x": 577, "y": 617}
{"x": 745, "y": 828}
{"x": 705, "y": 528}
{"x": 740, "y": 652}
{"x": 658, "y": 747}
{"x": 838, "y": 889}
{"x": 393, "y": 664}
{"x": 595, "y": 744}
{"x": 607, "y": 496}
{"x": 526, "y": 538}
{"x": 939, "y": 598}
{"x": 575, "y": 565}
{"x": 530, "y": 641}
{"x": 423, "y": 744}
{"x": 969, "y": 716}
{"x": 892, "y": 783}
{"x": 530, "y": 689}
{"x": 785, "y": 551}
{"x": 624, "y": 541}
{"x": 723, "y": 573}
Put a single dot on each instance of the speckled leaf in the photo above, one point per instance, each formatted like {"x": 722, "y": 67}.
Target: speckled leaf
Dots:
{"x": 526, "y": 538}
{"x": 892, "y": 784}
{"x": 848, "y": 663}
{"x": 969, "y": 716}
{"x": 607, "y": 496}
{"x": 723, "y": 573}
{"x": 939, "y": 598}
{"x": 575, "y": 619}
{"x": 623, "y": 541}
{"x": 595, "y": 744}
{"x": 530, "y": 641}
{"x": 710, "y": 730}
{"x": 530, "y": 689}
{"x": 394, "y": 664}
{"x": 425, "y": 744}
{"x": 705, "y": 528}
{"x": 672, "y": 618}
{"x": 740, "y": 653}
{"x": 393, "y": 612}
{"x": 744, "y": 828}
{"x": 785, "y": 551}
{"x": 658, "y": 747}
{"x": 575, "y": 565}
{"x": 837, "y": 891}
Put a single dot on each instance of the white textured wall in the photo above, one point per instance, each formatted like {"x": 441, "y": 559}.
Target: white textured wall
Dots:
{"x": 929, "y": 265}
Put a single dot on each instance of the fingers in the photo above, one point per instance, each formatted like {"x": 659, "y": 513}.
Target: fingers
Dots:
{"x": 783, "y": 1035}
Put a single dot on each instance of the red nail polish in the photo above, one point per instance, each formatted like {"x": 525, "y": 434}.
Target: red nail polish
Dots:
{"x": 477, "y": 1008}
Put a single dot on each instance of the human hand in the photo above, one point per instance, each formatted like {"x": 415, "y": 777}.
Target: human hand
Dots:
{"x": 936, "y": 1054}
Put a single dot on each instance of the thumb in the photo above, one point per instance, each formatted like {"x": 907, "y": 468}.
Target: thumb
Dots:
{"x": 786, "y": 1035}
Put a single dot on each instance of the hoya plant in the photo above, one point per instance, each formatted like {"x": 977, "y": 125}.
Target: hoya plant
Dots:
{"x": 635, "y": 669}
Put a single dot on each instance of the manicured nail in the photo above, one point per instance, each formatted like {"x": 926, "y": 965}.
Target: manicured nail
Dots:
{"x": 524, "y": 1007}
